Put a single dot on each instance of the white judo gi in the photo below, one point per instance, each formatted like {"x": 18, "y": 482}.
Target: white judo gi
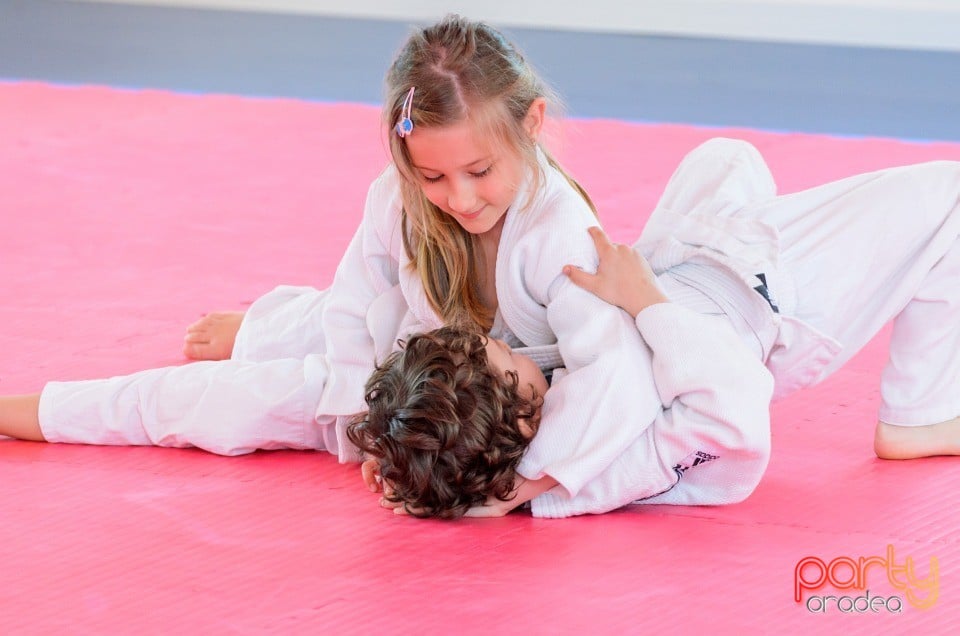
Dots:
{"x": 840, "y": 261}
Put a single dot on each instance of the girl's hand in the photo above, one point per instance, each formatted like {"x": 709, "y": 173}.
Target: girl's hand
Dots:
{"x": 623, "y": 278}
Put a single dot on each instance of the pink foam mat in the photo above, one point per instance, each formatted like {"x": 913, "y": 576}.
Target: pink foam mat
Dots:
{"x": 126, "y": 215}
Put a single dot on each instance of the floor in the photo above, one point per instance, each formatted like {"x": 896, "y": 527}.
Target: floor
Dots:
{"x": 150, "y": 176}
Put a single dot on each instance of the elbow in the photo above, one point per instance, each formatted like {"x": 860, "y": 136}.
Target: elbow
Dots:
{"x": 754, "y": 458}
{"x": 753, "y": 440}
{"x": 750, "y": 455}
{"x": 750, "y": 479}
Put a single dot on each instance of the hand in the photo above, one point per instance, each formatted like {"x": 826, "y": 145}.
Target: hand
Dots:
{"x": 386, "y": 501}
{"x": 493, "y": 507}
{"x": 623, "y": 278}
{"x": 525, "y": 490}
{"x": 370, "y": 471}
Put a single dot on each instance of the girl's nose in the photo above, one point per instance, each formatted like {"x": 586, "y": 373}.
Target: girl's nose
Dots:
{"x": 462, "y": 197}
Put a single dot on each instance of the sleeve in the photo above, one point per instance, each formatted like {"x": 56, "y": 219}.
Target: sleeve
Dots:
{"x": 578, "y": 436}
{"x": 575, "y": 441}
{"x": 291, "y": 321}
{"x": 368, "y": 270}
{"x": 700, "y": 409}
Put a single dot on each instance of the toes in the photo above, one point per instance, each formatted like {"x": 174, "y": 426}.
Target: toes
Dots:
{"x": 200, "y": 325}
{"x": 197, "y": 337}
{"x": 211, "y": 337}
{"x": 199, "y": 351}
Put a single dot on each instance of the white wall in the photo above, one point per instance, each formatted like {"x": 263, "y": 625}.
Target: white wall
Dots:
{"x": 919, "y": 24}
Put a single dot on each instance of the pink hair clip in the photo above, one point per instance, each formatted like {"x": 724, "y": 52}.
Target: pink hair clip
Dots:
{"x": 405, "y": 125}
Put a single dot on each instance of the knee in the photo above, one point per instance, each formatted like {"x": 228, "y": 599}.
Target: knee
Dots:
{"x": 729, "y": 147}
{"x": 937, "y": 178}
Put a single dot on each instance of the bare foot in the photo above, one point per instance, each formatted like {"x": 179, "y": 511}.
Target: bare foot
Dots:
{"x": 19, "y": 417}
{"x": 212, "y": 337}
{"x": 911, "y": 442}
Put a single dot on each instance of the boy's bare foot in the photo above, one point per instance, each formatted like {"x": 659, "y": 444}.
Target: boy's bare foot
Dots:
{"x": 212, "y": 337}
{"x": 911, "y": 442}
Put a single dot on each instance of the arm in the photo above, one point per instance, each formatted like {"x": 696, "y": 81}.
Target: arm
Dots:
{"x": 289, "y": 321}
{"x": 711, "y": 396}
{"x": 714, "y": 404}
{"x": 368, "y": 269}
{"x": 623, "y": 277}
{"x": 526, "y": 490}
{"x": 580, "y": 435}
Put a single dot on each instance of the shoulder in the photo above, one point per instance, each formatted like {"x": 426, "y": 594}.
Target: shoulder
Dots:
{"x": 386, "y": 187}
{"x": 384, "y": 203}
{"x": 558, "y": 202}
{"x": 551, "y": 230}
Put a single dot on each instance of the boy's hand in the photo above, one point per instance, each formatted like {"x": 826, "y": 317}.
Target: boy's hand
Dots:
{"x": 492, "y": 508}
{"x": 370, "y": 471}
{"x": 623, "y": 278}
{"x": 526, "y": 489}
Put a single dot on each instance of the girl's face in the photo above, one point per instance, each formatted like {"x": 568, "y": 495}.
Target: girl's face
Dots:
{"x": 468, "y": 179}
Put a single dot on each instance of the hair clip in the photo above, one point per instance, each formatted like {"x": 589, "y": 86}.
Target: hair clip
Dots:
{"x": 405, "y": 125}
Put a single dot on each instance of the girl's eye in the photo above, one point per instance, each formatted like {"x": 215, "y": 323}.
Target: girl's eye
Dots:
{"x": 482, "y": 173}
{"x": 432, "y": 179}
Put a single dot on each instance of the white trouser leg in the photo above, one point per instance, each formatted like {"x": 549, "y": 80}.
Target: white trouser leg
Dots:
{"x": 718, "y": 177}
{"x": 283, "y": 323}
{"x": 861, "y": 252}
{"x": 877, "y": 247}
{"x": 921, "y": 382}
{"x": 225, "y": 407}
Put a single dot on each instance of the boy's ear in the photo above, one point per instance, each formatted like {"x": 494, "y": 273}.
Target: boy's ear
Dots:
{"x": 533, "y": 122}
{"x": 523, "y": 424}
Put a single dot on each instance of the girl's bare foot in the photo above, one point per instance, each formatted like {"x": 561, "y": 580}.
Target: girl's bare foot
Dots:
{"x": 911, "y": 442}
{"x": 212, "y": 337}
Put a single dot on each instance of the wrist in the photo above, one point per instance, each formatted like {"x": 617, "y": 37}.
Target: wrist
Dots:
{"x": 653, "y": 298}
{"x": 531, "y": 488}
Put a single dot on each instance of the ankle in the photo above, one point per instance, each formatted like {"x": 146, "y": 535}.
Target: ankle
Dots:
{"x": 19, "y": 417}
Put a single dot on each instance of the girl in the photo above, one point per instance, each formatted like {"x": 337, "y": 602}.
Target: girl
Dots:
{"x": 470, "y": 224}
{"x": 769, "y": 294}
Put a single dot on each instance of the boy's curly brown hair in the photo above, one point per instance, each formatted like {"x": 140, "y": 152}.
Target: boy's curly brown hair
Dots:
{"x": 444, "y": 424}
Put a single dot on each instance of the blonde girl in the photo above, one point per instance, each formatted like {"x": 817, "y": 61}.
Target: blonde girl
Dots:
{"x": 469, "y": 225}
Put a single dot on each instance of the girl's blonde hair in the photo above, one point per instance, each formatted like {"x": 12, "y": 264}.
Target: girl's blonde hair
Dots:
{"x": 461, "y": 70}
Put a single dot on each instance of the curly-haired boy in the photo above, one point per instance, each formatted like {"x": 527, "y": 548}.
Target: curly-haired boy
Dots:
{"x": 449, "y": 418}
